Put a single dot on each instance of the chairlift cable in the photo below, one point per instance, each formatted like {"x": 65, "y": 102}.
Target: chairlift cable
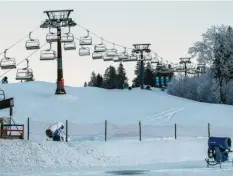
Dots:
{"x": 20, "y": 40}
{"x": 23, "y": 59}
{"x": 102, "y": 37}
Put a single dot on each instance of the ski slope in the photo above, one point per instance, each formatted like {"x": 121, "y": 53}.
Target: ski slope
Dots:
{"x": 87, "y": 109}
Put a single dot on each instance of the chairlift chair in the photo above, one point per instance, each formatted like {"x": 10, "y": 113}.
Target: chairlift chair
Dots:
{"x": 97, "y": 55}
{"x": 192, "y": 71}
{"x": 111, "y": 52}
{"x": 67, "y": 38}
{"x": 25, "y": 74}
{"x": 48, "y": 54}
{"x": 85, "y": 40}
{"x": 100, "y": 47}
{"x": 2, "y": 95}
{"x": 51, "y": 37}
{"x": 107, "y": 58}
{"x": 69, "y": 46}
{"x": 160, "y": 65}
{"x": 7, "y": 62}
{"x": 179, "y": 68}
{"x": 133, "y": 58}
{"x": 84, "y": 51}
{"x": 117, "y": 59}
{"x": 155, "y": 60}
{"x": 123, "y": 55}
{"x": 148, "y": 57}
{"x": 32, "y": 44}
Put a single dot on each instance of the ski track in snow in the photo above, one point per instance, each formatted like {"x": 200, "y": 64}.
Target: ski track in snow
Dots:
{"x": 167, "y": 115}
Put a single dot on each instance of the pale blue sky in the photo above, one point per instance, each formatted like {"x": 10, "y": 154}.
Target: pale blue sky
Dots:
{"x": 170, "y": 27}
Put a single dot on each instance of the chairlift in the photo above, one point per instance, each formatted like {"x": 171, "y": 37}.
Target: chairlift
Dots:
{"x": 66, "y": 38}
{"x": 25, "y": 74}
{"x": 85, "y": 40}
{"x": 148, "y": 57}
{"x": 133, "y": 58}
{"x": 159, "y": 65}
{"x": 192, "y": 71}
{"x": 117, "y": 59}
{"x": 48, "y": 54}
{"x": 155, "y": 60}
{"x": 51, "y": 37}
{"x": 32, "y": 44}
{"x": 2, "y": 95}
{"x": 84, "y": 51}
{"x": 123, "y": 55}
{"x": 179, "y": 68}
{"x": 97, "y": 55}
{"x": 111, "y": 52}
{"x": 69, "y": 46}
{"x": 100, "y": 47}
{"x": 7, "y": 62}
{"x": 107, "y": 58}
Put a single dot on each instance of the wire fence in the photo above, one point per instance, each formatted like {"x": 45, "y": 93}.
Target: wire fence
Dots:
{"x": 103, "y": 131}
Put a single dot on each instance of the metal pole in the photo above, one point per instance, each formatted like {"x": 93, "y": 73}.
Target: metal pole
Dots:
{"x": 28, "y": 128}
{"x": 66, "y": 130}
{"x": 142, "y": 71}
{"x": 60, "y": 86}
{"x": 105, "y": 130}
{"x": 185, "y": 69}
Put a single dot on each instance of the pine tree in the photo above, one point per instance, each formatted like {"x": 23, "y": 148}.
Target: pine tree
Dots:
{"x": 85, "y": 84}
{"x": 121, "y": 76}
{"x": 93, "y": 81}
{"x": 149, "y": 76}
{"x": 136, "y": 80}
{"x": 110, "y": 77}
{"x": 99, "y": 80}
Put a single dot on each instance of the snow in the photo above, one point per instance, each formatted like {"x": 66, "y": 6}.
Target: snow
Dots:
{"x": 86, "y": 109}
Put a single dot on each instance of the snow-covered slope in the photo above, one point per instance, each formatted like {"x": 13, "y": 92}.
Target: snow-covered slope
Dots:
{"x": 87, "y": 108}
{"x": 93, "y": 105}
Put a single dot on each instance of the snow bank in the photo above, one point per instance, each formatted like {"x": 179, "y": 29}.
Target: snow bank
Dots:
{"x": 30, "y": 156}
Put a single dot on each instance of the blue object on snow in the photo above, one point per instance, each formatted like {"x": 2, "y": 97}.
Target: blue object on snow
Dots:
{"x": 218, "y": 150}
{"x": 223, "y": 142}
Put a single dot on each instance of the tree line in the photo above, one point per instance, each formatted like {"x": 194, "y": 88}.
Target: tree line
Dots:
{"x": 117, "y": 79}
{"x": 215, "y": 86}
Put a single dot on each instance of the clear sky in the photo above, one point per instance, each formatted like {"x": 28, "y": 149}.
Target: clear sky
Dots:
{"x": 171, "y": 28}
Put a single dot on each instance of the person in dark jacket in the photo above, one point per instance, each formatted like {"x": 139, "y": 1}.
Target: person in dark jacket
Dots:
{"x": 5, "y": 80}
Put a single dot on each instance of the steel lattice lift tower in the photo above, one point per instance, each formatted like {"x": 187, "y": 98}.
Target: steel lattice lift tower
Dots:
{"x": 58, "y": 19}
{"x": 140, "y": 49}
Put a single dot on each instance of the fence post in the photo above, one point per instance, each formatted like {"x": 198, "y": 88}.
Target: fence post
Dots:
{"x": 208, "y": 129}
{"x": 105, "y": 130}
{"x": 175, "y": 131}
{"x": 140, "y": 131}
{"x": 66, "y": 130}
{"x": 28, "y": 128}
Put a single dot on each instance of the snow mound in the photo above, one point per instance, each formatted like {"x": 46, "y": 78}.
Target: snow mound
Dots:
{"x": 22, "y": 156}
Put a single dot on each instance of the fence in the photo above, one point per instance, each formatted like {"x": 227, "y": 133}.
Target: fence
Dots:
{"x": 106, "y": 131}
